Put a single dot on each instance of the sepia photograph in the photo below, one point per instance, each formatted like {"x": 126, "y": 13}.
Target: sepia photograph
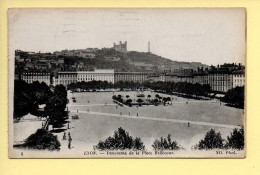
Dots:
{"x": 127, "y": 82}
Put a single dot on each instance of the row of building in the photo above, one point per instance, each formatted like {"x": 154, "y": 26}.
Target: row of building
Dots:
{"x": 219, "y": 79}
{"x": 84, "y": 53}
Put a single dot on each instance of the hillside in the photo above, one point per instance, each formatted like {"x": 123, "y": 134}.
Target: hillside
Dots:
{"x": 138, "y": 61}
{"x": 105, "y": 58}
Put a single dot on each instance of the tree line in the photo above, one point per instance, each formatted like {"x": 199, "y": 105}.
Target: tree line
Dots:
{"x": 121, "y": 140}
{"x": 180, "y": 87}
{"x": 234, "y": 97}
{"x": 90, "y": 85}
{"x": 166, "y": 87}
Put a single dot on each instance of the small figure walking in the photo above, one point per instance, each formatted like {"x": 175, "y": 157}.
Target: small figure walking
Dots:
{"x": 88, "y": 101}
{"x": 120, "y": 113}
{"x": 64, "y": 136}
{"x": 129, "y": 113}
{"x": 188, "y": 124}
{"x": 77, "y": 111}
{"x": 116, "y": 106}
{"x": 70, "y": 139}
{"x": 68, "y": 125}
{"x": 137, "y": 114}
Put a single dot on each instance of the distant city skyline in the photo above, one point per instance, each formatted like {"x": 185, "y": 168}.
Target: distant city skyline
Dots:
{"x": 209, "y": 36}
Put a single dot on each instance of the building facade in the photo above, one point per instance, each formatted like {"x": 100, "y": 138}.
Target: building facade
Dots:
{"x": 201, "y": 78}
{"x": 30, "y": 77}
{"x": 65, "y": 78}
{"x": 239, "y": 78}
{"x": 97, "y": 75}
{"x": 220, "y": 81}
{"x": 139, "y": 77}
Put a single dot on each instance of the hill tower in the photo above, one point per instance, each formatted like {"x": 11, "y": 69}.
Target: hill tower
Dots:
{"x": 121, "y": 47}
{"x": 149, "y": 51}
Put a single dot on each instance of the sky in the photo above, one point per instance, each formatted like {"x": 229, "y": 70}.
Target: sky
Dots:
{"x": 210, "y": 36}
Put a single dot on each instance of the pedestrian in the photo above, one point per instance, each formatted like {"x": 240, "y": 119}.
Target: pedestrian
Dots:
{"x": 88, "y": 101}
{"x": 137, "y": 114}
{"x": 129, "y": 113}
{"x": 120, "y": 113}
{"x": 188, "y": 124}
{"x": 70, "y": 139}
{"x": 64, "y": 136}
{"x": 77, "y": 111}
{"x": 116, "y": 106}
{"x": 68, "y": 125}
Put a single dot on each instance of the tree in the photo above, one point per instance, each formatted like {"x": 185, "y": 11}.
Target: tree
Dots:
{"x": 56, "y": 105}
{"x": 155, "y": 101}
{"x": 119, "y": 98}
{"x": 139, "y": 101}
{"x": 25, "y": 100}
{"x": 169, "y": 99}
{"x": 41, "y": 140}
{"x": 41, "y": 92}
{"x": 129, "y": 101}
{"x": 22, "y": 105}
{"x": 165, "y": 144}
{"x": 149, "y": 96}
{"x": 120, "y": 141}
{"x": 165, "y": 99}
{"x": 114, "y": 97}
{"x": 236, "y": 139}
{"x": 61, "y": 92}
{"x": 55, "y": 109}
{"x": 235, "y": 97}
{"x": 212, "y": 140}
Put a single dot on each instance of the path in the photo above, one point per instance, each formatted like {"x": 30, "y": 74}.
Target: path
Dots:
{"x": 159, "y": 119}
{"x": 112, "y": 104}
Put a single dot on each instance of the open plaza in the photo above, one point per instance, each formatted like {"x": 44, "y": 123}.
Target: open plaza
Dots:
{"x": 187, "y": 120}
{"x": 99, "y": 117}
